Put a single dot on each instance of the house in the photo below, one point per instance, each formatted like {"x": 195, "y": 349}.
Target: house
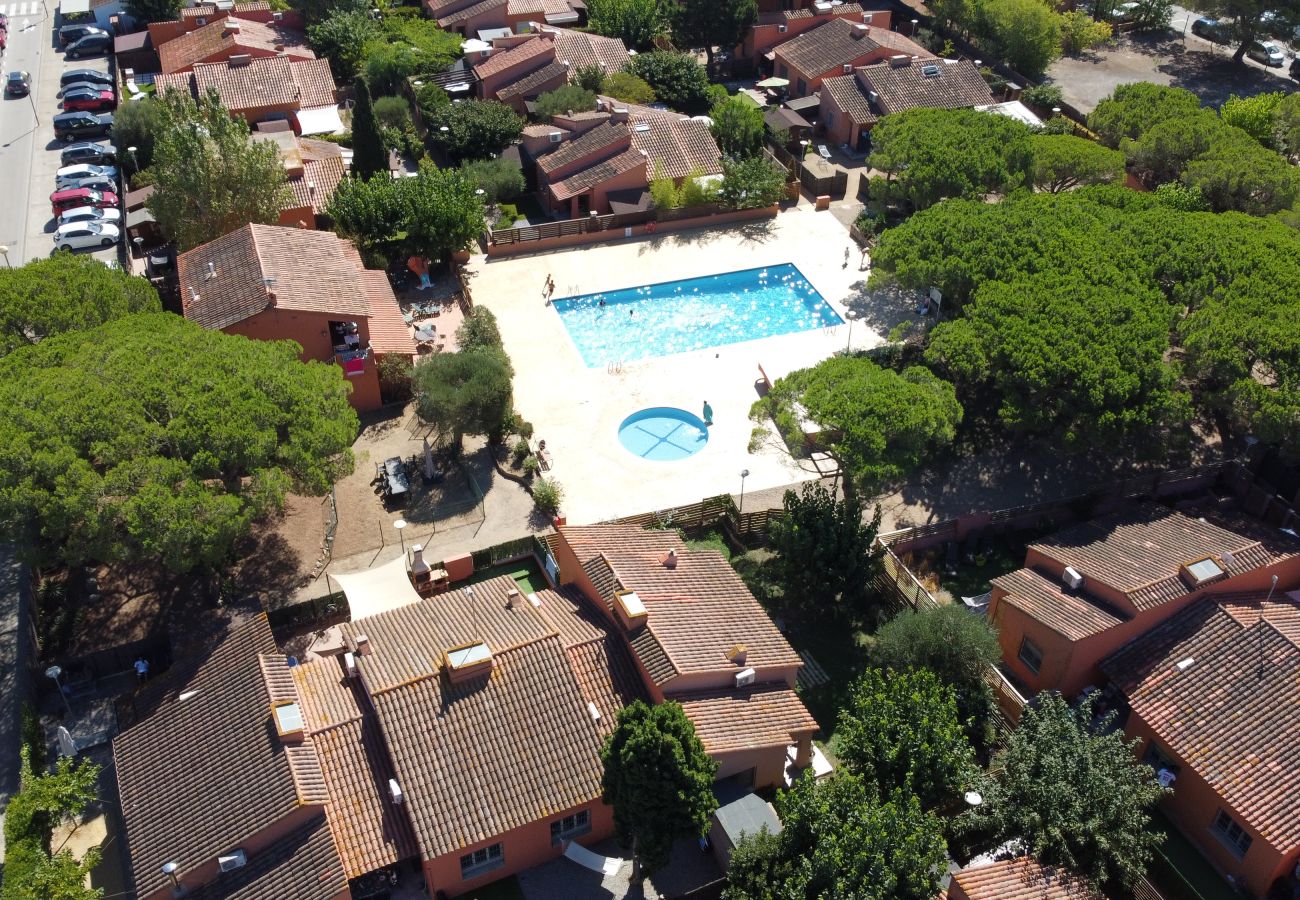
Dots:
{"x": 471, "y": 17}
{"x": 268, "y": 88}
{"x": 1086, "y": 591}
{"x": 1214, "y": 700}
{"x": 194, "y": 17}
{"x": 516, "y": 70}
{"x": 225, "y": 38}
{"x": 589, "y": 160}
{"x": 312, "y": 168}
{"x": 257, "y": 831}
{"x": 1015, "y": 878}
{"x": 852, "y": 104}
{"x": 272, "y": 283}
{"x": 837, "y": 47}
{"x": 778, "y": 26}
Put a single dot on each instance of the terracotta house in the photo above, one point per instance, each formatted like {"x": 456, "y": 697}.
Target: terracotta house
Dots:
{"x": 778, "y": 26}
{"x": 1214, "y": 695}
{"x": 837, "y": 47}
{"x": 312, "y": 168}
{"x": 1088, "y": 590}
{"x": 225, "y": 37}
{"x": 852, "y": 104}
{"x": 1017, "y": 878}
{"x": 475, "y": 17}
{"x": 272, "y": 283}
{"x": 194, "y": 17}
{"x": 516, "y": 70}
{"x": 262, "y": 89}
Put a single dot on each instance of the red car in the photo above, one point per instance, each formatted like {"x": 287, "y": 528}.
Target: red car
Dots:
{"x": 89, "y": 101}
{"x": 62, "y": 201}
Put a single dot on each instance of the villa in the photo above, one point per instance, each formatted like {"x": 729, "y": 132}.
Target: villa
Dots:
{"x": 487, "y": 19}
{"x": 225, "y": 37}
{"x": 837, "y": 47}
{"x": 778, "y": 26}
{"x": 261, "y": 89}
{"x": 518, "y": 68}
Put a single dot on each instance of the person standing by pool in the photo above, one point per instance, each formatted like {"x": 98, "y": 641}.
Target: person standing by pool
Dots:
{"x": 708, "y": 413}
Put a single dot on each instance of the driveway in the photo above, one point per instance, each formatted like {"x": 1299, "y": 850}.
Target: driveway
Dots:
{"x": 1173, "y": 58}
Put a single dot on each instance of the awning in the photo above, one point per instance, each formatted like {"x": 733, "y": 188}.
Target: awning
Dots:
{"x": 321, "y": 120}
{"x": 773, "y": 83}
{"x": 74, "y": 7}
{"x": 803, "y": 103}
{"x": 784, "y": 119}
{"x": 377, "y": 590}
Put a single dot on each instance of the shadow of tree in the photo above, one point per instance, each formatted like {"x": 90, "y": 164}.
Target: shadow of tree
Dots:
{"x": 885, "y": 307}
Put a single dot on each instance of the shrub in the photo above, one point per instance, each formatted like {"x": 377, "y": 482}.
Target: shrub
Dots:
{"x": 627, "y": 87}
{"x": 395, "y": 378}
{"x": 500, "y": 179}
{"x": 429, "y": 99}
{"x": 678, "y": 80}
{"x": 343, "y": 138}
{"x": 520, "y": 452}
{"x": 547, "y": 495}
{"x": 392, "y": 111}
{"x": 1044, "y": 96}
{"x": 570, "y": 98}
{"x": 589, "y": 78}
{"x": 531, "y": 465}
{"x": 1079, "y": 31}
{"x": 476, "y": 129}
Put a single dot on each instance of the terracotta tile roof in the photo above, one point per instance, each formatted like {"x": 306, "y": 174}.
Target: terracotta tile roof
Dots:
{"x": 481, "y": 757}
{"x": 587, "y": 541}
{"x": 602, "y": 578}
{"x": 958, "y": 85}
{"x": 470, "y": 12}
{"x": 531, "y": 49}
{"x": 676, "y": 145}
{"x": 369, "y": 831}
{"x": 604, "y": 138}
{"x": 302, "y": 865}
{"x": 208, "y": 9}
{"x": 314, "y": 271}
{"x": 588, "y": 178}
{"x": 324, "y": 168}
{"x": 387, "y": 329}
{"x": 201, "y": 774}
{"x": 216, "y": 37}
{"x": 315, "y": 82}
{"x": 787, "y": 15}
{"x": 539, "y": 81}
{"x": 847, "y": 94}
{"x": 262, "y": 82}
{"x": 1197, "y": 682}
{"x": 1071, "y": 615}
{"x": 607, "y": 678}
{"x": 526, "y": 8}
{"x": 1022, "y": 878}
{"x": 650, "y": 650}
{"x": 303, "y": 763}
{"x": 1139, "y": 552}
{"x": 765, "y": 715}
{"x": 837, "y": 43}
{"x": 542, "y": 130}
{"x": 580, "y": 49}
{"x": 571, "y": 615}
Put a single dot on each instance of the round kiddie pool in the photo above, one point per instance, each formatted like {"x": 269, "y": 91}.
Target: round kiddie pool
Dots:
{"x": 663, "y": 433}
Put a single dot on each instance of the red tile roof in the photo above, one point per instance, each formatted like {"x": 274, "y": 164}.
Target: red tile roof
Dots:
{"x": 1219, "y": 686}
{"x": 323, "y": 169}
{"x": 268, "y": 81}
{"x": 542, "y": 51}
{"x": 676, "y": 145}
{"x": 302, "y": 865}
{"x": 216, "y": 38}
{"x": 766, "y": 715}
{"x": 582, "y": 181}
{"x": 848, "y": 96}
{"x": 776, "y": 17}
{"x": 840, "y": 42}
{"x": 1017, "y": 879}
{"x": 958, "y": 85}
{"x": 539, "y": 81}
{"x": 386, "y": 328}
{"x": 1072, "y": 615}
{"x": 580, "y": 49}
{"x": 470, "y": 12}
{"x": 604, "y": 139}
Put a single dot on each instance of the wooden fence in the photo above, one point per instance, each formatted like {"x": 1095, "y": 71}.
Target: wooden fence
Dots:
{"x": 567, "y": 227}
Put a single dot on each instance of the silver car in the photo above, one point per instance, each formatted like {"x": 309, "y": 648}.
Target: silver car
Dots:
{"x": 1267, "y": 53}
{"x": 83, "y": 235}
{"x": 65, "y": 176}
{"x": 91, "y": 214}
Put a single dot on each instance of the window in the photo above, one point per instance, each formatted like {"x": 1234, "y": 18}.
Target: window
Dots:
{"x": 482, "y": 860}
{"x": 803, "y": 87}
{"x": 1234, "y": 837}
{"x": 570, "y": 827}
{"x": 1158, "y": 759}
{"x": 830, "y": 120}
{"x": 1031, "y": 655}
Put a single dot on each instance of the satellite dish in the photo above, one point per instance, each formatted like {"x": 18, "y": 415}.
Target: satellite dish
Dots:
{"x": 67, "y": 746}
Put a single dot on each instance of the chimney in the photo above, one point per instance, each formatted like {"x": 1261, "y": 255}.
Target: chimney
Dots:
{"x": 363, "y": 645}
{"x": 418, "y": 566}
{"x": 899, "y": 61}
{"x": 630, "y": 609}
{"x": 860, "y": 30}
{"x": 277, "y": 17}
{"x": 670, "y": 560}
{"x": 350, "y": 665}
{"x": 511, "y": 596}
{"x": 232, "y": 26}
{"x": 467, "y": 661}
{"x": 737, "y": 653}
{"x": 311, "y": 188}
{"x": 212, "y": 270}
{"x": 239, "y": 60}
{"x": 270, "y": 298}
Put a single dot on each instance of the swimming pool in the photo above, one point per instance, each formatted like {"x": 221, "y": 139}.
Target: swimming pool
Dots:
{"x": 663, "y": 433}
{"x": 679, "y": 316}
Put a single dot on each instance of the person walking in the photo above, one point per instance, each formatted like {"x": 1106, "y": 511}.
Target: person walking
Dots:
{"x": 708, "y": 413}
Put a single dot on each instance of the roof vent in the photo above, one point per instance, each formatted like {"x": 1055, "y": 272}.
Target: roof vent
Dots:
{"x": 848, "y": 68}
{"x": 641, "y": 127}
{"x": 350, "y": 665}
{"x": 238, "y": 60}
{"x": 534, "y": 601}
{"x": 1071, "y": 578}
{"x": 670, "y": 559}
{"x": 212, "y": 271}
{"x": 236, "y": 859}
{"x": 232, "y": 26}
{"x": 555, "y": 137}
{"x": 288, "y": 720}
{"x": 822, "y": 6}
{"x": 185, "y": 695}
{"x": 395, "y": 792}
{"x": 631, "y": 610}
{"x": 363, "y": 645}
{"x": 746, "y": 677}
{"x": 467, "y": 661}
{"x": 873, "y": 96}
{"x": 511, "y": 596}
{"x": 781, "y": 29}
{"x": 1184, "y": 664}
{"x": 595, "y": 713}
{"x": 930, "y": 71}
{"x": 899, "y": 60}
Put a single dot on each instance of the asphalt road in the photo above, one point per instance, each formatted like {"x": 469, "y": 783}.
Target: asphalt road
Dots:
{"x": 29, "y": 154}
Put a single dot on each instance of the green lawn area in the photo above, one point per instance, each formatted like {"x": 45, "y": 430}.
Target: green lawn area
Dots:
{"x": 1191, "y": 875}
{"x": 525, "y": 573}
{"x": 505, "y": 889}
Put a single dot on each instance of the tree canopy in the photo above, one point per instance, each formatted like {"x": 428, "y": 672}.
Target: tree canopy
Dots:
{"x": 146, "y": 11}
{"x": 883, "y": 422}
{"x": 751, "y": 183}
{"x": 462, "y": 393}
{"x": 137, "y": 125}
{"x": 705, "y": 24}
{"x": 431, "y": 214}
{"x": 1243, "y": 20}
{"x": 658, "y": 779}
{"x": 677, "y": 79}
{"x": 899, "y": 731}
{"x": 627, "y": 87}
{"x": 66, "y": 292}
{"x": 1075, "y": 793}
{"x": 342, "y": 38}
{"x": 209, "y": 177}
{"x": 1133, "y": 108}
{"x": 738, "y": 127}
{"x": 635, "y": 22}
{"x": 476, "y": 129}
{"x": 839, "y": 840}
{"x": 34, "y": 870}
{"x": 150, "y": 438}
{"x": 1028, "y": 33}
{"x": 408, "y": 46}
{"x": 1063, "y": 161}
{"x": 564, "y": 99}
{"x": 369, "y": 157}
{"x": 1254, "y": 115}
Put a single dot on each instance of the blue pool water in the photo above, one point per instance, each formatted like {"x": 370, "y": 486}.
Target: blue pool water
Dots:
{"x": 663, "y": 433}
{"x": 678, "y": 316}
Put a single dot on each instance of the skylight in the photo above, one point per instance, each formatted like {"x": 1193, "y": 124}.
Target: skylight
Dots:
{"x": 288, "y": 718}
{"x": 468, "y": 656}
{"x": 1204, "y": 570}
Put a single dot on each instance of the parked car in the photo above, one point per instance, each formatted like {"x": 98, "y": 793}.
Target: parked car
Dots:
{"x": 1295, "y": 68}
{"x": 62, "y": 201}
{"x": 84, "y": 170}
{"x": 18, "y": 84}
{"x": 91, "y": 182}
{"x": 84, "y": 86}
{"x": 88, "y": 152}
{"x": 91, "y": 214}
{"x": 1267, "y": 53}
{"x": 1124, "y": 12}
{"x": 87, "y": 76}
{"x": 71, "y": 126}
{"x": 70, "y": 34}
{"x": 83, "y": 235}
{"x": 1211, "y": 30}
{"x": 89, "y": 99}
{"x": 90, "y": 45}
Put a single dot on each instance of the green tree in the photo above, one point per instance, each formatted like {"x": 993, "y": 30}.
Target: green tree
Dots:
{"x": 145, "y": 11}
{"x": 1236, "y": 173}
{"x": 320, "y": 10}
{"x": 751, "y": 183}
{"x": 372, "y": 213}
{"x": 1286, "y": 124}
{"x": 209, "y": 177}
{"x": 479, "y": 331}
{"x": 938, "y": 153}
{"x": 171, "y": 440}
{"x": 476, "y": 129}
{"x": 677, "y": 79}
{"x": 659, "y": 781}
{"x": 1176, "y": 195}
{"x": 738, "y": 127}
{"x": 66, "y": 293}
{"x": 368, "y": 154}
{"x": 566, "y": 99}
{"x": 501, "y": 180}
{"x": 884, "y": 422}
{"x": 899, "y": 731}
{"x": 392, "y": 112}
{"x": 1243, "y": 19}
{"x": 1152, "y": 15}
{"x": 1026, "y": 32}
{"x": 33, "y": 869}
{"x": 342, "y": 38}
{"x": 442, "y": 212}
{"x": 1063, "y": 161}
{"x": 824, "y": 560}
{"x": 957, "y": 647}
{"x": 706, "y": 24}
{"x": 1134, "y": 108}
{"x": 1075, "y": 793}
{"x": 408, "y": 48}
{"x": 137, "y": 125}
{"x": 635, "y": 22}
{"x": 463, "y": 393}
{"x": 1162, "y": 152}
{"x": 589, "y": 78}
{"x": 838, "y": 840}
{"x": 1254, "y": 115}
{"x": 627, "y": 87}
{"x": 1080, "y": 31}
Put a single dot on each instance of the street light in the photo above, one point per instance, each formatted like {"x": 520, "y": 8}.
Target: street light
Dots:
{"x": 399, "y": 525}
{"x": 135, "y": 165}
{"x": 744, "y": 473}
{"x": 54, "y": 672}
{"x": 850, "y": 315}
{"x": 170, "y": 869}
{"x": 915, "y": 23}
{"x": 4, "y": 251}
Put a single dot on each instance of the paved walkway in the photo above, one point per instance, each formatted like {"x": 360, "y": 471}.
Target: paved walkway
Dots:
{"x": 688, "y": 869}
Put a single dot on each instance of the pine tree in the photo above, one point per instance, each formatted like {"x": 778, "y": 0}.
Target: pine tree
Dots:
{"x": 368, "y": 154}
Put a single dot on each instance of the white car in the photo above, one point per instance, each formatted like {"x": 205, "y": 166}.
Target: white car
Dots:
{"x": 1268, "y": 54}
{"x": 91, "y": 214}
{"x": 80, "y": 235}
{"x": 92, "y": 182}
{"x": 81, "y": 171}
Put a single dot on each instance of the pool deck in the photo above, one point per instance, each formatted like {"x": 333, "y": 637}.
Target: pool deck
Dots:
{"x": 577, "y": 410}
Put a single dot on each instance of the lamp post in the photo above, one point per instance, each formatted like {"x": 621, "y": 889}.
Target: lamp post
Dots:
{"x": 4, "y": 251}
{"x": 400, "y": 524}
{"x": 53, "y": 672}
{"x": 915, "y": 24}
{"x": 744, "y": 473}
{"x": 170, "y": 869}
{"x": 850, "y": 315}
{"x": 135, "y": 164}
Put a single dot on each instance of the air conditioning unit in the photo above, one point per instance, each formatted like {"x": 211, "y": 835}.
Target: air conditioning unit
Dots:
{"x": 782, "y": 29}
{"x": 236, "y": 860}
{"x": 1072, "y": 578}
{"x": 848, "y": 68}
{"x": 350, "y": 664}
{"x": 746, "y": 677}
{"x": 555, "y": 137}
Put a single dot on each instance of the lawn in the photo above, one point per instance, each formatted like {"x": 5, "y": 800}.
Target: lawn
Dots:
{"x": 525, "y": 572}
{"x": 1178, "y": 861}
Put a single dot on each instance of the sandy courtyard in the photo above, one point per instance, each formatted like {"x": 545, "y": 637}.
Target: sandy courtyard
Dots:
{"x": 577, "y": 410}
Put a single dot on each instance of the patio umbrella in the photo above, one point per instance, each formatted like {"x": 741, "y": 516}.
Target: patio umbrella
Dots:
{"x": 773, "y": 83}
{"x": 428, "y": 459}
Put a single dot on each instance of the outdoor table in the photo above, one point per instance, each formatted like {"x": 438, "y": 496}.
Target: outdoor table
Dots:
{"x": 395, "y": 480}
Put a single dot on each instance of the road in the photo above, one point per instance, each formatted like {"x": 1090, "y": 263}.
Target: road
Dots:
{"x": 29, "y": 155}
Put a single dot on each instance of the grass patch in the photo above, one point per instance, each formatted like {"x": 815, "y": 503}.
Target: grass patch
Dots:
{"x": 509, "y": 215}
{"x": 525, "y": 573}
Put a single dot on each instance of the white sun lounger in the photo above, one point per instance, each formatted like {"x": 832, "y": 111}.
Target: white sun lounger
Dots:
{"x": 605, "y": 865}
